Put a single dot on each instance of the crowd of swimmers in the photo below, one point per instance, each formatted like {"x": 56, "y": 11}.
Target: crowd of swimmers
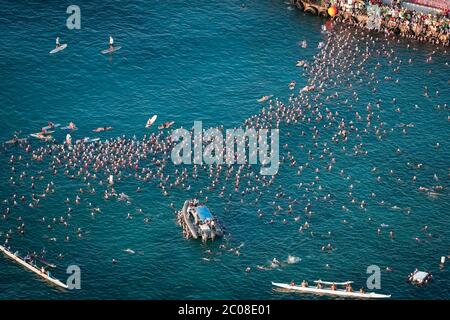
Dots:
{"x": 329, "y": 118}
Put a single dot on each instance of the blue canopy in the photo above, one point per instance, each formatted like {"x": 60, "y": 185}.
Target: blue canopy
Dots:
{"x": 204, "y": 213}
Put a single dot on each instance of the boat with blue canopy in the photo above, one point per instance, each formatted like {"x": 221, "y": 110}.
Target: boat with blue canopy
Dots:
{"x": 198, "y": 221}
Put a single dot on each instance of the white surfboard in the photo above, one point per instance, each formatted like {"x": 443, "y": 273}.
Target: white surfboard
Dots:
{"x": 87, "y": 140}
{"x": 46, "y": 132}
{"x": 151, "y": 121}
{"x": 58, "y": 49}
{"x": 111, "y": 50}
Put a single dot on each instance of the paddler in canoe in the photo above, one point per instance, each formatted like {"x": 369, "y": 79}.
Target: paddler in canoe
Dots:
{"x": 348, "y": 287}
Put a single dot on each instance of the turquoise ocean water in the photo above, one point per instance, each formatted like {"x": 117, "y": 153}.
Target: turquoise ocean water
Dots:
{"x": 210, "y": 61}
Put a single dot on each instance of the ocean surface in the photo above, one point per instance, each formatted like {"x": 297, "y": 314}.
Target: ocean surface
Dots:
{"x": 210, "y": 61}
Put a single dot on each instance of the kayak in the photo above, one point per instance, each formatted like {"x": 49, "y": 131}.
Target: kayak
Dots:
{"x": 111, "y": 50}
{"x": 58, "y": 49}
{"x": 340, "y": 293}
{"x": 151, "y": 121}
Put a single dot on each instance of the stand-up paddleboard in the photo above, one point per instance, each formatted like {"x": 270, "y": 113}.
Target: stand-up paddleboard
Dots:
{"x": 166, "y": 125}
{"x": 151, "y": 121}
{"x": 58, "y": 49}
{"x": 17, "y": 140}
{"x": 87, "y": 140}
{"x": 111, "y": 50}
{"x": 42, "y": 133}
{"x": 56, "y": 125}
{"x": 40, "y": 136}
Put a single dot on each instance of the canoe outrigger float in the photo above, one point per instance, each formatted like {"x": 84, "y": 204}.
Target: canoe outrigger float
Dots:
{"x": 32, "y": 267}
{"x": 197, "y": 221}
{"x": 337, "y": 292}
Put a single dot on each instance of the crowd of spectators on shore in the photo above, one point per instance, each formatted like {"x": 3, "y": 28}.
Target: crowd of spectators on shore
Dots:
{"x": 397, "y": 19}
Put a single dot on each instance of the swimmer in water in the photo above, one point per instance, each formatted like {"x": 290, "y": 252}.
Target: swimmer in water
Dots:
{"x": 100, "y": 129}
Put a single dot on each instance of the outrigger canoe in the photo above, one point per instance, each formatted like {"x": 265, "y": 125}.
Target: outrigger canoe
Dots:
{"x": 33, "y": 268}
{"x": 340, "y": 293}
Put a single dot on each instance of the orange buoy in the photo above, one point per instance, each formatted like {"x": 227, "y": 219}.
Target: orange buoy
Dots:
{"x": 332, "y": 11}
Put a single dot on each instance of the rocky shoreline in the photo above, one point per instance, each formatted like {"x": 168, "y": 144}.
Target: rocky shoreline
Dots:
{"x": 390, "y": 19}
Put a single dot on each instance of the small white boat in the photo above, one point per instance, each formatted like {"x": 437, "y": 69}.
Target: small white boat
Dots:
{"x": 33, "y": 268}
{"x": 338, "y": 292}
